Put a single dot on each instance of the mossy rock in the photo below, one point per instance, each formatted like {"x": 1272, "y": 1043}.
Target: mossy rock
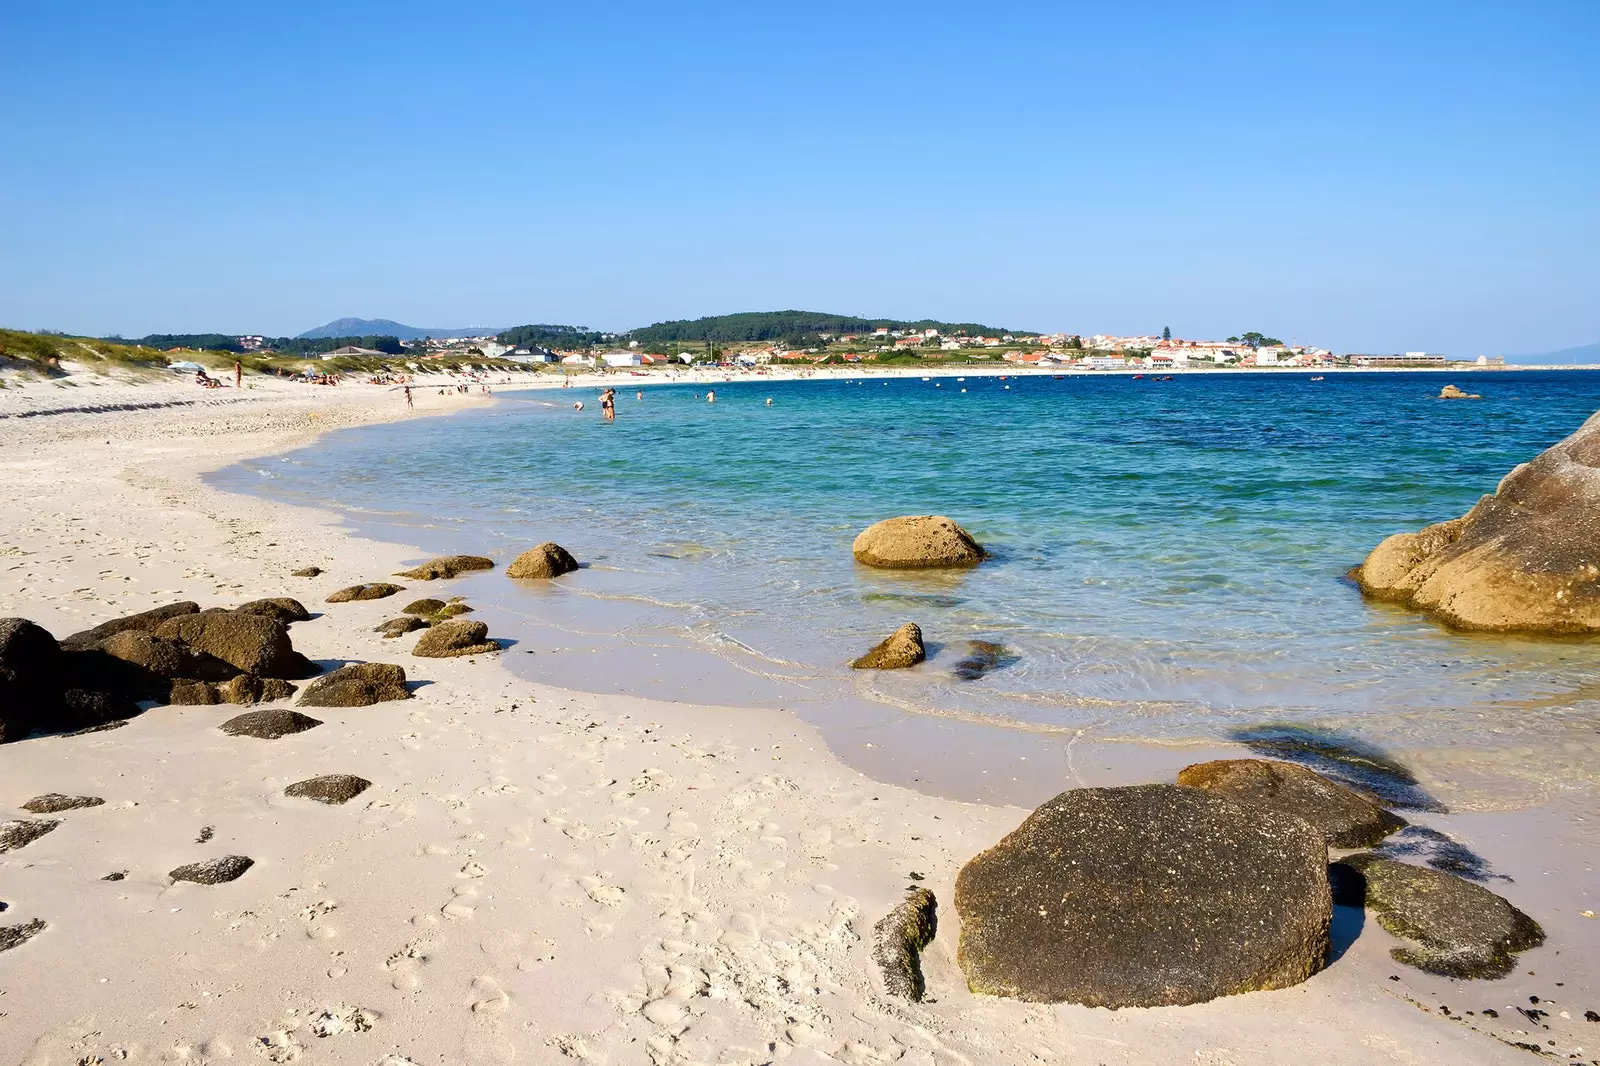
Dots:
{"x": 457, "y": 636}
{"x": 357, "y": 685}
{"x": 447, "y": 566}
{"x": 1347, "y": 818}
{"x": 545, "y": 560}
{"x": 898, "y": 650}
{"x": 332, "y": 789}
{"x": 370, "y": 590}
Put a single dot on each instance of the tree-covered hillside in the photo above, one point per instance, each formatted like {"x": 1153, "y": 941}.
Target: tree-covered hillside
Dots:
{"x": 541, "y": 335}
{"x": 776, "y": 325}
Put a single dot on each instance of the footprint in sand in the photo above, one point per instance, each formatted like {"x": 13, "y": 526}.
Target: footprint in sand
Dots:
{"x": 602, "y": 892}
{"x": 404, "y": 964}
{"x": 472, "y": 869}
{"x": 492, "y": 999}
{"x": 572, "y": 830}
{"x": 462, "y": 906}
{"x": 316, "y": 928}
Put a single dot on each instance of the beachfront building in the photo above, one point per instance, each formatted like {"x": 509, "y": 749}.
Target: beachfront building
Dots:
{"x": 620, "y": 357}
{"x": 1399, "y": 359}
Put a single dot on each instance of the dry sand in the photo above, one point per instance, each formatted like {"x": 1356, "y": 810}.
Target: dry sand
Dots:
{"x": 536, "y": 875}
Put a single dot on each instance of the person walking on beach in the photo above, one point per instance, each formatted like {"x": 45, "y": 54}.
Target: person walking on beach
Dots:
{"x": 409, "y": 402}
{"x": 238, "y": 374}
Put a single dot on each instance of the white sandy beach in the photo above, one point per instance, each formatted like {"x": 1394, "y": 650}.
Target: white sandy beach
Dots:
{"x": 539, "y": 875}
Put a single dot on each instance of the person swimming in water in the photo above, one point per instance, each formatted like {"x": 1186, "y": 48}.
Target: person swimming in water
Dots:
{"x": 711, "y": 397}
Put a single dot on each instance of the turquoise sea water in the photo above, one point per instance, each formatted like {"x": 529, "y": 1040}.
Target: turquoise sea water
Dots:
{"x": 1169, "y": 556}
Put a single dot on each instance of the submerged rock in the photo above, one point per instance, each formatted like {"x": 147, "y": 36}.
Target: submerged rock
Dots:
{"x": 898, "y": 940}
{"x": 542, "y": 561}
{"x": 214, "y": 871}
{"x": 1522, "y": 560}
{"x": 915, "y": 542}
{"x": 251, "y": 643}
{"x": 24, "y": 831}
{"x": 1151, "y": 895}
{"x": 1455, "y": 928}
{"x": 357, "y": 685}
{"x": 447, "y": 566}
{"x": 983, "y": 657}
{"x": 458, "y": 636}
{"x": 12, "y": 935}
{"x": 1346, "y": 818}
{"x": 1349, "y": 760}
{"x": 55, "y": 803}
{"x": 898, "y": 650}
{"x": 371, "y": 590}
{"x": 283, "y": 608}
{"x": 269, "y": 724}
{"x": 329, "y": 788}
{"x": 399, "y": 627}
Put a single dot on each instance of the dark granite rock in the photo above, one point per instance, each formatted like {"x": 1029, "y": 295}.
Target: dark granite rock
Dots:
{"x": 283, "y": 608}
{"x": 269, "y": 724}
{"x": 898, "y": 940}
{"x": 372, "y": 590}
{"x": 399, "y": 627}
{"x": 24, "y": 831}
{"x": 329, "y": 788}
{"x": 1152, "y": 895}
{"x": 458, "y": 636}
{"x": 447, "y": 566}
{"x": 306, "y": 571}
{"x": 147, "y": 621}
{"x": 1454, "y": 927}
{"x": 12, "y": 935}
{"x": 898, "y": 650}
{"x": 251, "y": 643}
{"x": 55, "y": 803}
{"x": 1347, "y": 818}
{"x": 357, "y": 685}
{"x": 30, "y": 676}
{"x": 213, "y": 871}
{"x": 983, "y": 657}
{"x": 423, "y": 607}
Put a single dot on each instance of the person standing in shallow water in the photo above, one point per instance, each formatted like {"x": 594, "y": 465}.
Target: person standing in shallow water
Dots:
{"x": 608, "y": 405}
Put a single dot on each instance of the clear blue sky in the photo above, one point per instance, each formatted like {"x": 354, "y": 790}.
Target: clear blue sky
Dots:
{"x": 1373, "y": 176}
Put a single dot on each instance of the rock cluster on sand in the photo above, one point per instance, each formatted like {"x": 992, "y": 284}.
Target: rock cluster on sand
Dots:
{"x": 1451, "y": 392}
{"x": 430, "y": 610}
{"x": 1454, "y": 927}
{"x": 55, "y": 803}
{"x": 898, "y": 939}
{"x": 447, "y": 566}
{"x": 917, "y": 542}
{"x": 214, "y": 871}
{"x": 371, "y": 590}
{"x": 146, "y": 621}
{"x": 1522, "y": 560}
{"x": 399, "y": 627}
{"x": 243, "y": 689}
{"x": 24, "y": 831}
{"x": 542, "y": 561}
{"x": 1149, "y": 895}
{"x": 12, "y": 935}
{"x": 898, "y": 650}
{"x": 251, "y": 643}
{"x": 458, "y": 636}
{"x": 357, "y": 685}
{"x": 269, "y": 724}
{"x": 331, "y": 789}
{"x": 45, "y": 688}
{"x": 1346, "y": 818}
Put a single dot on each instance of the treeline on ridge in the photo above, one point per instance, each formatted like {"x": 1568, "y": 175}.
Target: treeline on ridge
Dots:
{"x": 777, "y": 325}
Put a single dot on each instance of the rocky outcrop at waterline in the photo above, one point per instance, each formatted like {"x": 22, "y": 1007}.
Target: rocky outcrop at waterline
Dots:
{"x": 917, "y": 542}
{"x": 458, "y": 636}
{"x": 1145, "y": 896}
{"x": 447, "y": 566}
{"x": 1345, "y": 817}
{"x": 545, "y": 560}
{"x": 1525, "y": 559}
{"x": 898, "y": 650}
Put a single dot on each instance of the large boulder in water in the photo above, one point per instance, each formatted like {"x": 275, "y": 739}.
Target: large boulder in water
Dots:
{"x": 447, "y": 566}
{"x": 357, "y": 685}
{"x": 251, "y": 643}
{"x": 1454, "y": 927}
{"x": 458, "y": 636}
{"x": 1347, "y": 818}
{"x": 898, "y": 650}
{"x": 917, "y": 542}
{"x": 1526, "y": 559}
{"x": 1145, "y": 896}
{"x": 542, "y": 561}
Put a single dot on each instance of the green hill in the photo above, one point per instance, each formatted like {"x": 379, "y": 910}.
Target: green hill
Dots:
{"x": 778, "y": 325}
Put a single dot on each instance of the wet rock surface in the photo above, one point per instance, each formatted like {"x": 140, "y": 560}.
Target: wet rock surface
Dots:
{"x": 329, "y": 788}
{"x": 1453, "y": 927}
{"x": 357, "y": 685}
{"x": 213, "y": 871}
{"x": 900, "y": 649}
{"x": 458, "y": 636}
{"x": 917, "y": 542}
{"x": 55, "y": 803}
{"x": 447, "y": 566}
{"x": 372, "y": 590}
{"x": 269, "y": 724}
{"x": 542, "y": 561}
{"x": 984, "y": 657}
{"x": 1143, "y": 896}
{"x": 1347, "y": 818}
{"x": 24, "y": 831}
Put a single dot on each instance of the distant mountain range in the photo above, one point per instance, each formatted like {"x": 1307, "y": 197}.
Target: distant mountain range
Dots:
{"x": 384, "y": 327}
{"x": 1588, "y": 353}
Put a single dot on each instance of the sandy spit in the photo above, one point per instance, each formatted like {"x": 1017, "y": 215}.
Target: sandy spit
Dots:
{"x": 535, "y": 875}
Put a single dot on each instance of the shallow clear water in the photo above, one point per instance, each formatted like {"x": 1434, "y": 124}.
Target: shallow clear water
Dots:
{"x": 1169, "y": 556}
